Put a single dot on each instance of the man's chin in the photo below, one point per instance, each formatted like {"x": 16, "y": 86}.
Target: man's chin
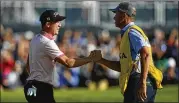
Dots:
{"x": 116, "y": 25}
{"x": 57, "y": 33}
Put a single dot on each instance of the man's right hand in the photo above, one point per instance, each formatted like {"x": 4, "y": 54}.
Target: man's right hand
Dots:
{"x": 95, "y": 55}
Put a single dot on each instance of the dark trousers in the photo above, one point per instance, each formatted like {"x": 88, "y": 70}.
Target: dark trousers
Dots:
{"x": 38, "y": 92}
{"x": 130, "y": 95}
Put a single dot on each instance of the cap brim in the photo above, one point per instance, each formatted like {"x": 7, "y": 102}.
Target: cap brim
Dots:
{"x": 60, "y": 18}
{"x": 113, "y": 10}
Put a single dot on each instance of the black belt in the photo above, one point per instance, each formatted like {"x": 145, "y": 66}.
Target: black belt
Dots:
{"x": 35, "y": 82}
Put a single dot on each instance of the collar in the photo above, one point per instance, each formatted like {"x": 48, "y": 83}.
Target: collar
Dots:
{"x": 126, "y": 27}
{"x": 49, "y": 36}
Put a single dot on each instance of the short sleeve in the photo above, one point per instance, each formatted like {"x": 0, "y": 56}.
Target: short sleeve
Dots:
{"x": 52, "y": 49}
{"x": 137, "y": 41}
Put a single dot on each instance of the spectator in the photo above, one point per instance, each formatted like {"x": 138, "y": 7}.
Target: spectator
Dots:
{"x": 69, "y": 77}
{"x": 8, "y": 40}
{"x": 170, "y": 74}
{"x": 172, "y": 46}
{"x": 158, "y": 44}
{"x": 6, "y": 66}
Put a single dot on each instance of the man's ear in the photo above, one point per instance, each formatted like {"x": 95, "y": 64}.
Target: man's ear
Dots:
{"x": 47, "y": 24}
{"x": 126, "y": 15}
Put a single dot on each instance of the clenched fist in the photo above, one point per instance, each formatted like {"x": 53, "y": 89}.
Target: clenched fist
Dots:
{"x": 95, "y": 55}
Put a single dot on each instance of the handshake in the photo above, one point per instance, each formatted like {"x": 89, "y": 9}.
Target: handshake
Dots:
{"x": 95, "y": 55}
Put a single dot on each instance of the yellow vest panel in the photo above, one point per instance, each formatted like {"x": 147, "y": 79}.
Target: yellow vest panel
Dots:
{"x": 127, "y": 63}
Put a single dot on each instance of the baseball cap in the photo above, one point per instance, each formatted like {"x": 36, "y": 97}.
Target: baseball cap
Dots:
{"x": 125, "y": 7}
{"x": 51, "y": 16}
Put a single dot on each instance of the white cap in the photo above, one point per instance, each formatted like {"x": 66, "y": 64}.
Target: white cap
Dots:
{"x": 29, "y": 35}
{"x": 171, "y": 62}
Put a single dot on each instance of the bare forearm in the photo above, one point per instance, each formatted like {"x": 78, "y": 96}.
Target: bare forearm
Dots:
{"x": 144, "y": 67}
{"x": 72, "y": 62}
{"x": 78, "y": 61}
{"x": 68, "y": 62}
{"x": 114, "y": 65}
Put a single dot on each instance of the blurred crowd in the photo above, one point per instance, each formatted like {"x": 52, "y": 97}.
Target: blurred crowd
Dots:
{"x": 77, "y": 43}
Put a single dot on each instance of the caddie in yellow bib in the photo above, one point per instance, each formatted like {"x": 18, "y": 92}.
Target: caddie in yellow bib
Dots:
{"x": 139, "y": 78}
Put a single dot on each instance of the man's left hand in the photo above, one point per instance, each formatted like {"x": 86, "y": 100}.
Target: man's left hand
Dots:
{"x": 141, "y": 93}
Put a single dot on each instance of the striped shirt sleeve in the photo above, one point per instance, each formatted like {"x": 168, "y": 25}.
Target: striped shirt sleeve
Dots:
{"x": 137, "y": 41}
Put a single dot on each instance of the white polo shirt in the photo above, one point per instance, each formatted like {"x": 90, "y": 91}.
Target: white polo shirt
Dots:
{"x": 43, "y": 50}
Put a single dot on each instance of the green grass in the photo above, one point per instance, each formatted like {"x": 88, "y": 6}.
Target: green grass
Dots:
{"x": 168, "y": 94}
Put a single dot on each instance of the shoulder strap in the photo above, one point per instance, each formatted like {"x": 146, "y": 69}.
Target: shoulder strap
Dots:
{"x": 139, "y": 30}
{"x": 143, "y": 34}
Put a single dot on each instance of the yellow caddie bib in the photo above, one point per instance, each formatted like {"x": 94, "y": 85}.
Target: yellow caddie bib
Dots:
{"x": 127, "y": 63}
